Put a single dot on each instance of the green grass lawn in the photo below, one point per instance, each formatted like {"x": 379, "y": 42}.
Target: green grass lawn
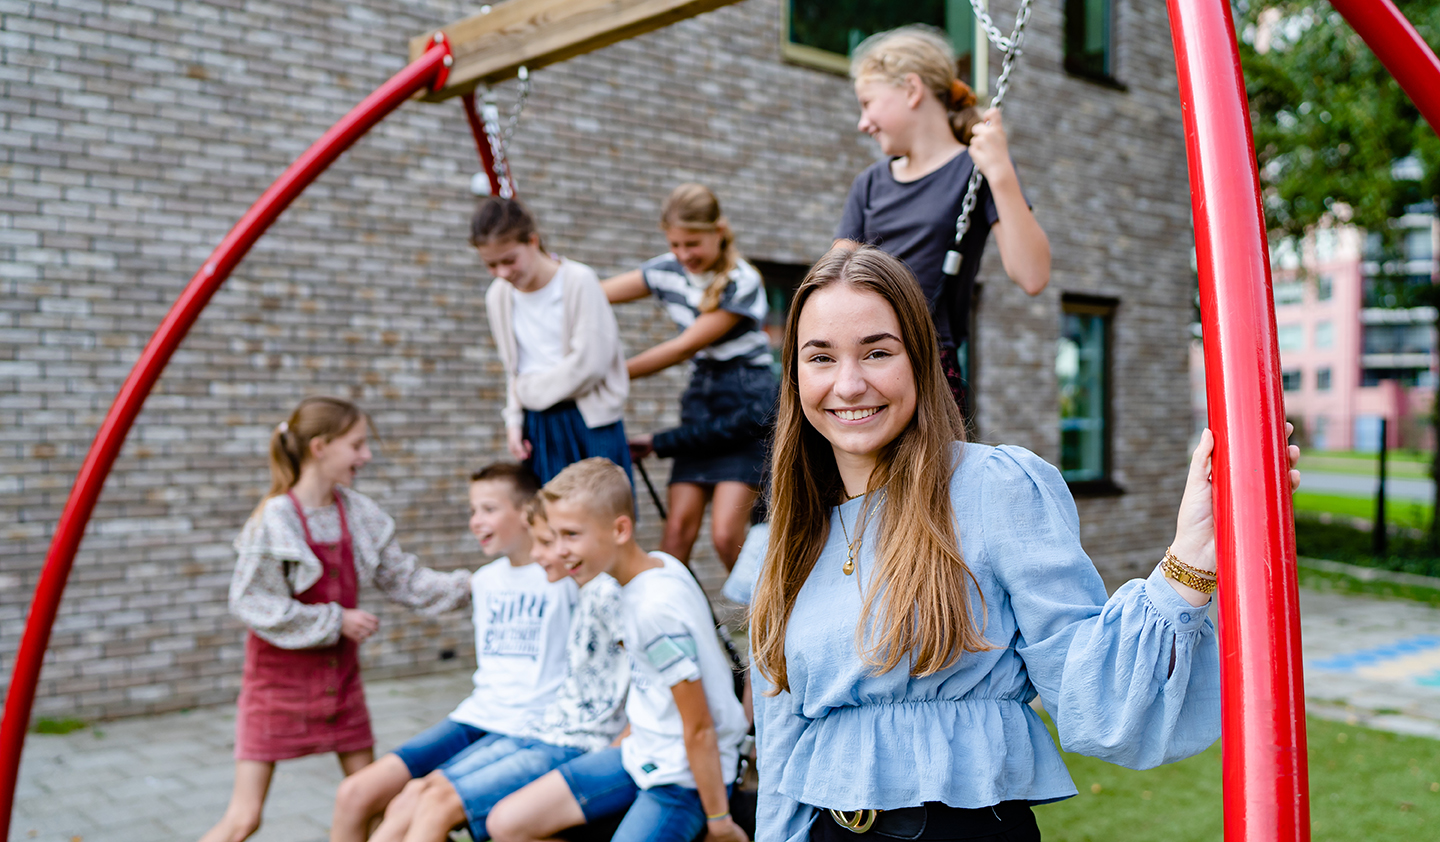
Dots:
{"x": 1399, "y": 463}
{"x": 1326, "y": 580}
{"x": 1364, "y": 785}
{"x": 1403, "y": 513}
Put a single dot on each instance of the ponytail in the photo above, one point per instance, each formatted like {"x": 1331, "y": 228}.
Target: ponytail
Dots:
{"x": 694, "y": 207}
{"x": 320, "y": 417}
{"x": 926, "y": 52}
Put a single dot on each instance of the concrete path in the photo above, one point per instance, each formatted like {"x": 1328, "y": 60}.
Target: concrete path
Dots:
{"x": 163, "y": 778}
{"x": 1368, "y": 661}
{"x": 1419, "y": 490}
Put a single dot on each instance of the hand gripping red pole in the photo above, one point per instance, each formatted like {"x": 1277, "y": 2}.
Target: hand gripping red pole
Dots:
{"x": 429, "y": 71}
{"x": 1400, "y": 48}
{"x": 1262, "y": 692}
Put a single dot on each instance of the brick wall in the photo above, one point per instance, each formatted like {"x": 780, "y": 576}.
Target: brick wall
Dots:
{"x": 1105, "y": 171}
{"x": 134, "y": 134}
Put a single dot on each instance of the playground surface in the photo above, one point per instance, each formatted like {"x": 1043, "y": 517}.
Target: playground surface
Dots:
{"x": 1368, "y": 661}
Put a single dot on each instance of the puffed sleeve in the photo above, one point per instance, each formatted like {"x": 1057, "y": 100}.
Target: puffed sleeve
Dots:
{"x": 398, "y": 574}
{"x": 1133, "y": 679}
{"x": 778, "y": 727}
{"x": 260, "y": 594}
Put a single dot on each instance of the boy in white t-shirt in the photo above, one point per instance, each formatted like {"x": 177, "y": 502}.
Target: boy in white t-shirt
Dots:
{"x": 587, "y": 714}
{"x": 522, "y": 621}
{"x": 672, "y": 768}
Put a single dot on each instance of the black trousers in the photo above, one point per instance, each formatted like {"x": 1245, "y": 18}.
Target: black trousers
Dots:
{"x": 1008, "y": 821}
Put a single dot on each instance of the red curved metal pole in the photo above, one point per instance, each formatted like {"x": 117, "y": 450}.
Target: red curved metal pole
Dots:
{"x": 428, "y": 71}
{"x": 1262, "y": 692}
{"x": 1400, "y": 48}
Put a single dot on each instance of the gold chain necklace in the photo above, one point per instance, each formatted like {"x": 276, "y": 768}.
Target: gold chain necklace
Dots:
{"x": 855, "y": 545}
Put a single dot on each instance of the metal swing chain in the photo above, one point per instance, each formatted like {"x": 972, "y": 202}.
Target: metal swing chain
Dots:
{"x": 499, "y": 137}
{"x": 1012, "y": 47}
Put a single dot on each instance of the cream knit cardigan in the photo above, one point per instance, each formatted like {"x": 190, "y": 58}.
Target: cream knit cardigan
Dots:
{"x": 592, "y": 372}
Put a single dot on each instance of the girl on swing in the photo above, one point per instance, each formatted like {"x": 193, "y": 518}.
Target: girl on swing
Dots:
{"x": 919, "y": 591}
{"x": 933, "y": 136}
{"x": 718, "y": 302}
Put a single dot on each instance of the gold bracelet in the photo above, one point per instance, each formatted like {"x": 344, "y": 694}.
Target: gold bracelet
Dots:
{"x": 1186, "y": 575}
{"x": 1195, "y": 571}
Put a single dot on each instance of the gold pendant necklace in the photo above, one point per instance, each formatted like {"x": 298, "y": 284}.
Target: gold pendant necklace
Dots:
{"x": 854, "y": 546}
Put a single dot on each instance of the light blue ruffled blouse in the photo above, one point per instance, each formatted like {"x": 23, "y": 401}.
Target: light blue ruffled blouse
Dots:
{"x": 1133, "y": 679}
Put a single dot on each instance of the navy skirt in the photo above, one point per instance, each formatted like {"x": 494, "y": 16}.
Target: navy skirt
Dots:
{"x": 717, "y": 389}
{"x": 558, "y": 437}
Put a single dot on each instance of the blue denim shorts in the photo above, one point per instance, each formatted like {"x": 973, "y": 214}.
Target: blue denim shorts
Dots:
{"x": 599, "y": 782}
{"x": 428, "y": 750}
{"x": 490, "y": 770}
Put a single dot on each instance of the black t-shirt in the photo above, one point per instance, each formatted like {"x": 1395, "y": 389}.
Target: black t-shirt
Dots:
{"x": 915, "y": 221}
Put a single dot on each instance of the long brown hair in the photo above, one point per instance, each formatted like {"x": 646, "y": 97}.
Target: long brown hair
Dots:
{"x": 693, "y": 207}
{"x": 926, "y": 52}
{"x": 318, "y": 417}
{"x": 918, "y": 598}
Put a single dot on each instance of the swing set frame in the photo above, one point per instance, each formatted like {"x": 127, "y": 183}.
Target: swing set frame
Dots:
{"x": 1266, "y": 792}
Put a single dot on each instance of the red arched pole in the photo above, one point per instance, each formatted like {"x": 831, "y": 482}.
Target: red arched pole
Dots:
{"x": 1262, "y": 692}
{"x": 428, "y": 71}
{"x": 1400, "y": 48}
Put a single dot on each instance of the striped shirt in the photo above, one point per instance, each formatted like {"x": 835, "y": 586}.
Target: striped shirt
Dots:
{"x": 680, "y": 293}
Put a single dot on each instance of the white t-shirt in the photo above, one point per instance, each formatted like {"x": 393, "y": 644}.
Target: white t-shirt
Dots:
{"x": 670, "y": 637}
{"x": 539, "y": 322}
{"x": 522, "y": 621}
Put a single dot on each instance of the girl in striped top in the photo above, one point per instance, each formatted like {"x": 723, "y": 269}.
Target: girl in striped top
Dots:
{"x": 717, "y": 301}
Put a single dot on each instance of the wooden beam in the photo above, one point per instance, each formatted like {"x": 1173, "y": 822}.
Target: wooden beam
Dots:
{"x": 491, "y": 47}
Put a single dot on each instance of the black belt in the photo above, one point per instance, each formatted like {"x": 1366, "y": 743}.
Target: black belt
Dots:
{"x": 931, "y": 820}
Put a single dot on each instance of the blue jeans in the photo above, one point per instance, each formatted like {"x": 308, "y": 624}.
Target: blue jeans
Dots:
{"x": 428, "y": 750}
{"x": 669, "y": 813}
{"x": 490, "y": 770}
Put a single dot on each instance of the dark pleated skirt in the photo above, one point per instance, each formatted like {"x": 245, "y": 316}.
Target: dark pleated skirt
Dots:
{"x": 558, "y": 437}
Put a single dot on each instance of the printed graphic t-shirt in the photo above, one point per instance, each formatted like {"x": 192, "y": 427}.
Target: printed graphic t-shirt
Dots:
{"x": 522, "y": 622}
{"x": 670, "y": 637}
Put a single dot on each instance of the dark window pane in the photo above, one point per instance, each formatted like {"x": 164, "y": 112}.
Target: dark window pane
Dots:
{"x": 838, "y": 26}
{"x": 1322, "y": 380}
{"x": 1080, "y": 367}
{"x": 1290, "y": 381}
{"x": 1087, "y": 37}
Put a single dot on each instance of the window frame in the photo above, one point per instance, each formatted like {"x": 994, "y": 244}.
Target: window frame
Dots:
{"x": 1107, "y": 308}
{"x": 818, "y": 59}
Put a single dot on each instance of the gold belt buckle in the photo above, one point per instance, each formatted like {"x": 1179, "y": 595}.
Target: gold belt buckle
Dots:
{"x": 855, "y": 821}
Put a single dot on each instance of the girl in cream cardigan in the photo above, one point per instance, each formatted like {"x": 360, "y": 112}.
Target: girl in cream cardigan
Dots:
{"x": 565, "y": 378}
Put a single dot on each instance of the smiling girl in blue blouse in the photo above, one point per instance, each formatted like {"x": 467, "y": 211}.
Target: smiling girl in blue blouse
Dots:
{"x": 918, "y": 593}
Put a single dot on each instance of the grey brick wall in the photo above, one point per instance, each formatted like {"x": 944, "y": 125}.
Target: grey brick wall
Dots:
{"x": 134, "y": 134}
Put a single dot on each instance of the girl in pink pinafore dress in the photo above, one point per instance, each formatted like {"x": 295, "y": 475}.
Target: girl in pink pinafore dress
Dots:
{"x": 302, "y": 557}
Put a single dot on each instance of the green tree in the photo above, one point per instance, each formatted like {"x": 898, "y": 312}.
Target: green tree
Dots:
{"x": 1330, "y": 124}
{"x": 1329, "y": 120}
